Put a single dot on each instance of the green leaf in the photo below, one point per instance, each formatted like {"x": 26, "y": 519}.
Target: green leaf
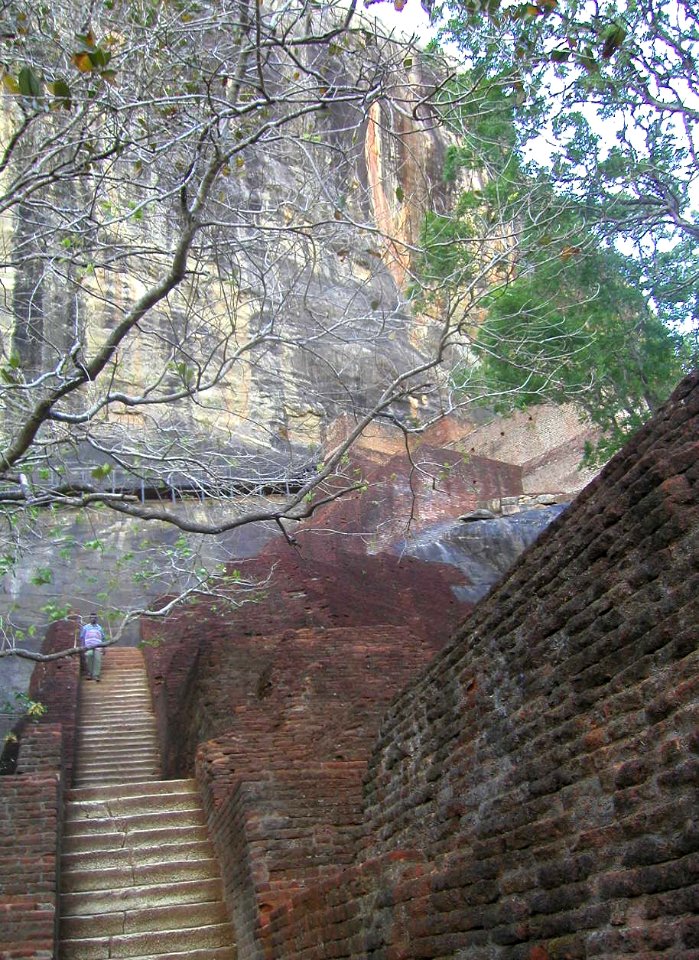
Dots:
{"x": 613, "y": 38}
{"x": 43, "y": 575}
{"x": 29, "y": 83}
{"x": 61, "y": 91}
{"x": 560, "y": 56}
{"x": 400, "y": 195}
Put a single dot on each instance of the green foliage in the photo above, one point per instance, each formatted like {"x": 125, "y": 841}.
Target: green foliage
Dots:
{"x": 608, "y": 86}
{"x": 576, "y": 327}
{"x": 42, "y": 576}
{"x": 21, "y": 703}
{"x": 101, "y": 471}
{"x": 481, "y": 113}
{"x": 55, "y": 611}
{"x": 574, "y": 319}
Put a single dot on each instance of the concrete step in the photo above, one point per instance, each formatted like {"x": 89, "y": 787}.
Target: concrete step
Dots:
{"x": 215, "y": 953}
{"x": 130, "y": 806}
{"x": 168, "y": 917}
{"x": 107, "y": 779}
{"x": 128, "y": 838}
{"x": 139, "y": 880}
{"x": 104, "y": 699}
{"x": 155, "y": 943}
{"x": 107, "y": 727}
{"x": 89, "y": 778}
{"x": 122, "y": 742}
{"x": 159, "y": 788}
{"x": 85, "y": 827}
{"x": 123, "y": 747}
{"x": 131, "y": 875}
{"x": 148, "y": 764}
{"x": 141, "y": 897}
{"x": 100, "y": 706}
{"x": 113, "y": 760}
{"x": 136, "y": 857}
{"x": 117, "y": 757}
{"x": 95, "y": 755}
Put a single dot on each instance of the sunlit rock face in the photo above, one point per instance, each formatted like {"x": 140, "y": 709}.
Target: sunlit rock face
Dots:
{"x": 309, "y": 262}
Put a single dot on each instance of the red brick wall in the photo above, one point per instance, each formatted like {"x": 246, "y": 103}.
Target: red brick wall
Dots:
{"x": 55, "y": 683}
{"x": 294, "y": 716}
{"x": 542, "y": 773}
{"x": 30, "y": 821}
{"x": 31, "y": 808}
{"x": 195, "y": 695}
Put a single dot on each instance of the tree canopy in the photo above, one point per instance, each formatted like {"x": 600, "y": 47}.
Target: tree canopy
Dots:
{"x": 582, "y": 118}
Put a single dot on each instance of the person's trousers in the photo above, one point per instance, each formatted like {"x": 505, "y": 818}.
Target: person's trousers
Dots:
{"x": 93, "y": 659}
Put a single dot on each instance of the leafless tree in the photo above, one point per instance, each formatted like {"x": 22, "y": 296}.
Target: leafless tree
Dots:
{"x": 179, "y": 182}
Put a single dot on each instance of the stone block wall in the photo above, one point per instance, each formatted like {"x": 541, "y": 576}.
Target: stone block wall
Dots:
{"x": 533, "y": 794}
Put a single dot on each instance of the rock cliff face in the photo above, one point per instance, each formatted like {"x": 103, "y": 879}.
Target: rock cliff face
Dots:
{"x": 307, "y": 256}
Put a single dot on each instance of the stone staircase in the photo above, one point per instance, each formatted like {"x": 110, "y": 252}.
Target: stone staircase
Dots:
{"x": 138, "y": 874}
